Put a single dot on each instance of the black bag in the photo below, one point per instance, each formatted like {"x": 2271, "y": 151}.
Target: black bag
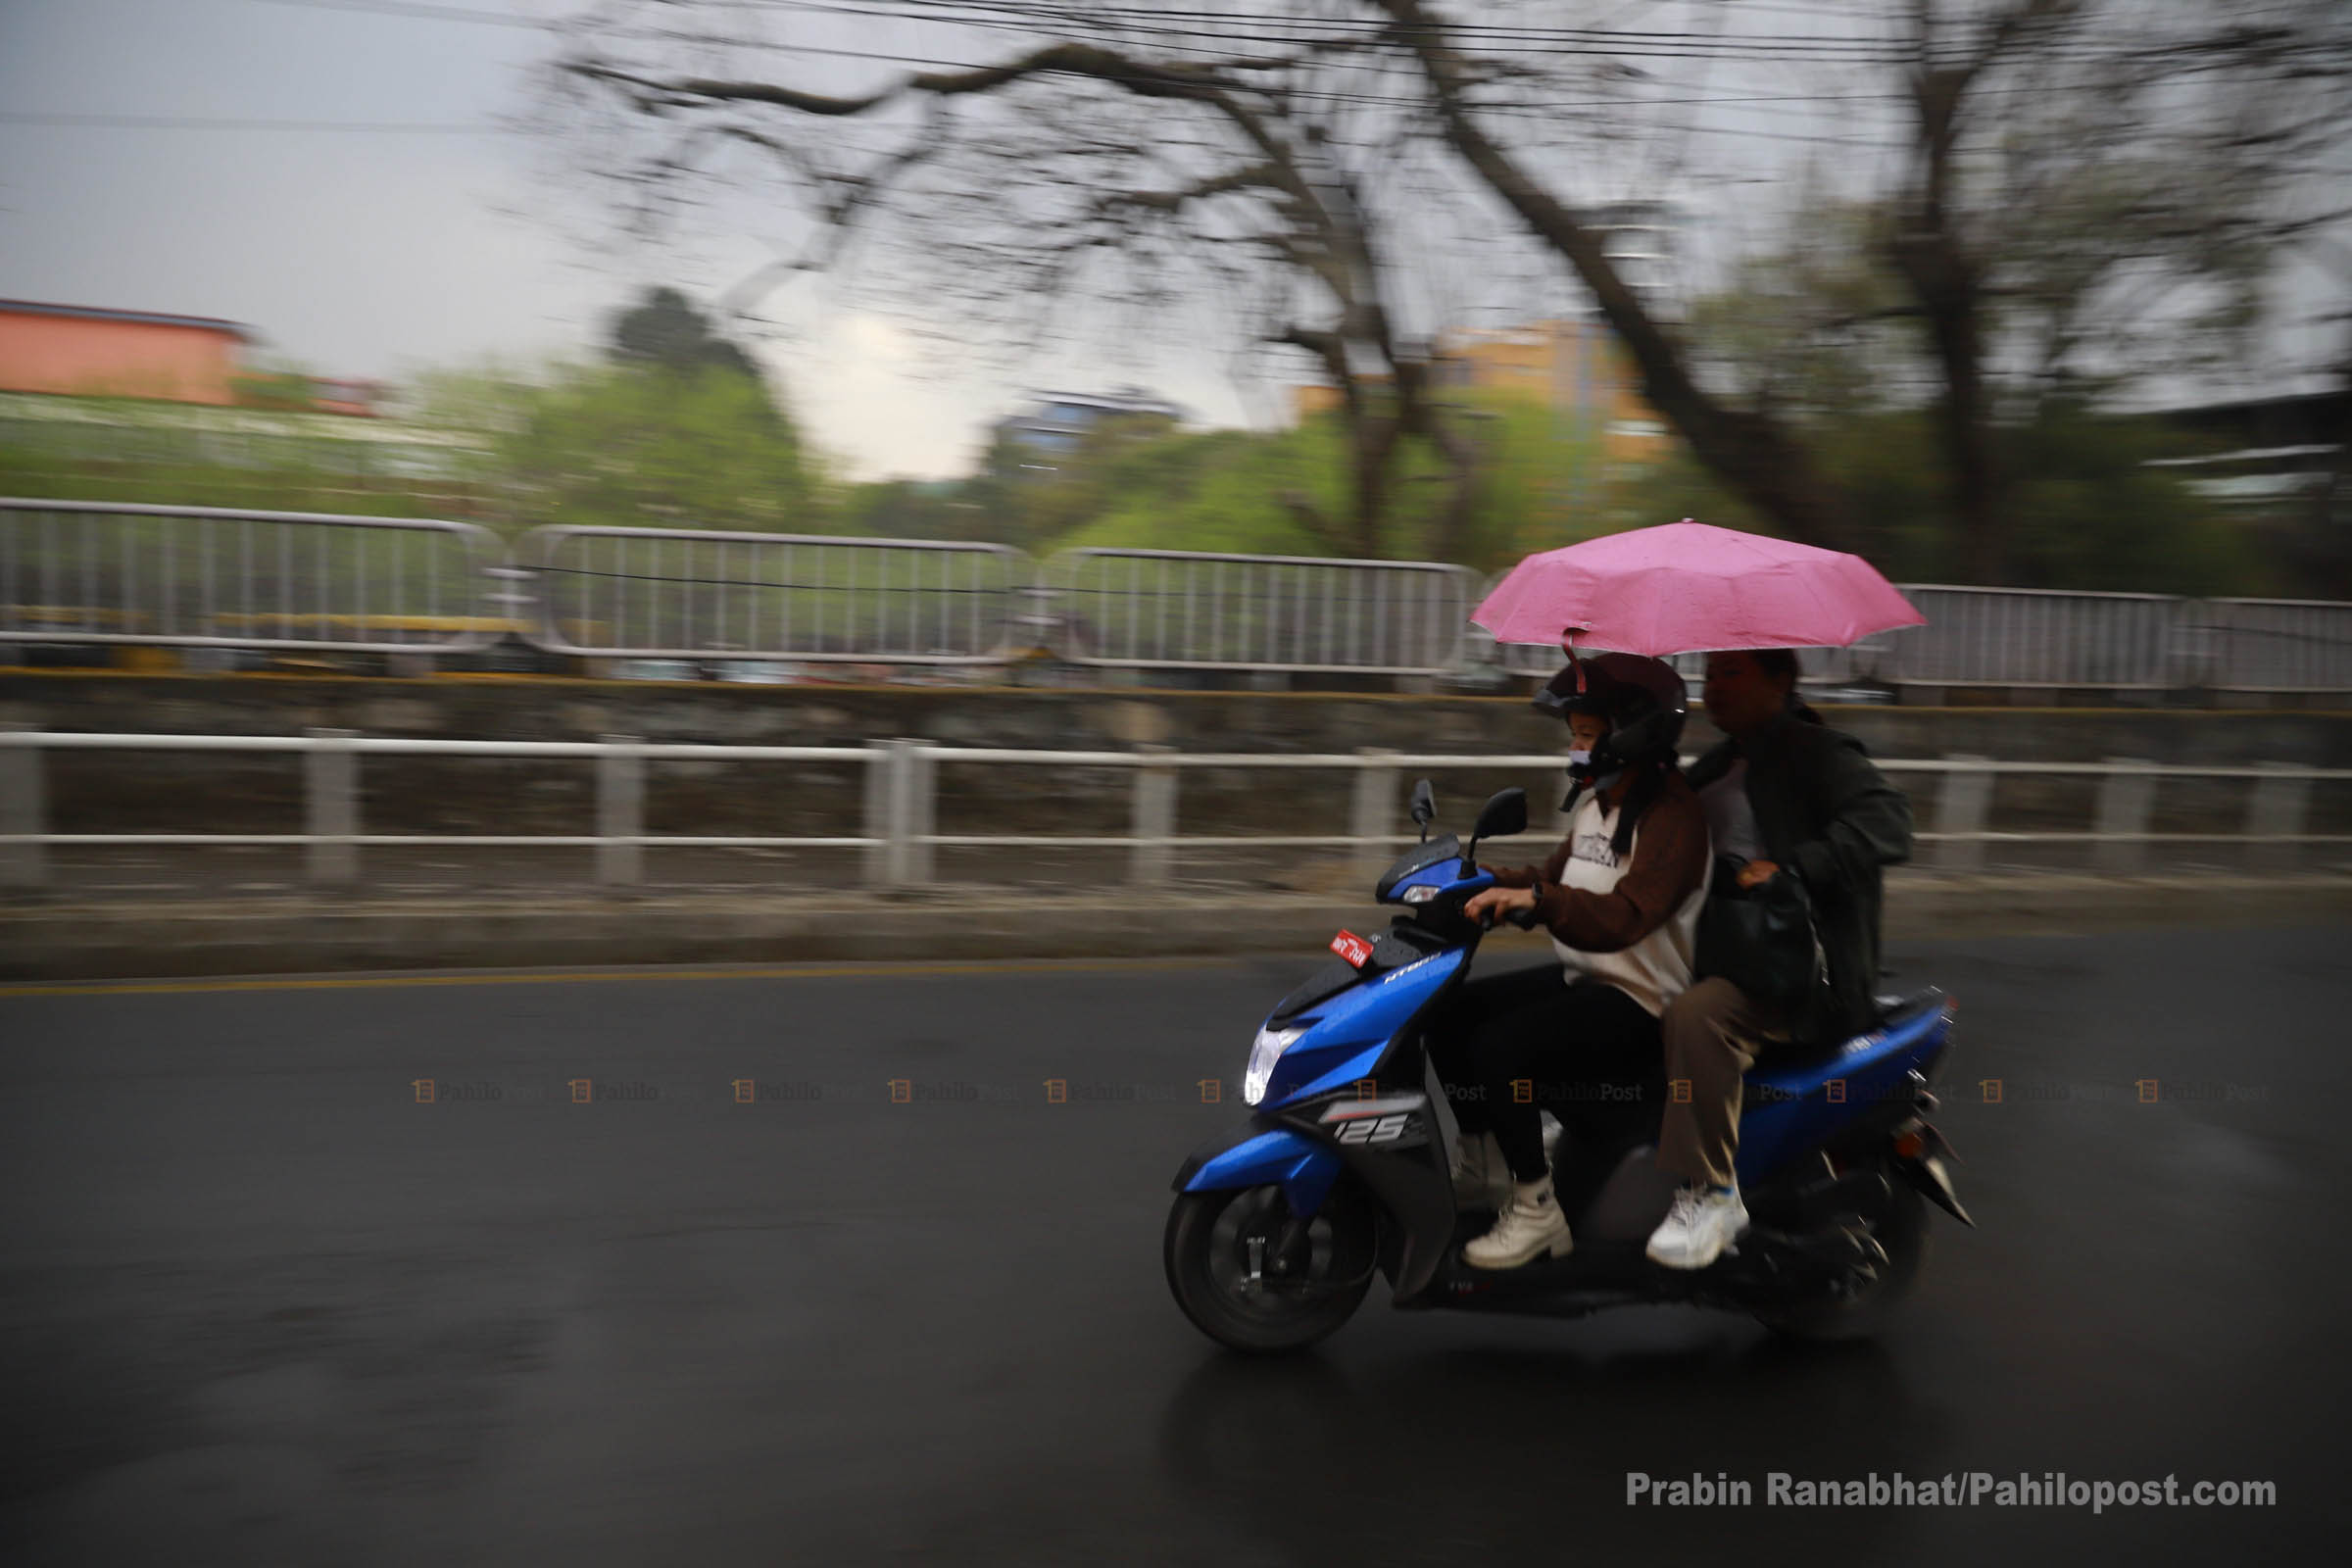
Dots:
{"x": 1761, "y": 939}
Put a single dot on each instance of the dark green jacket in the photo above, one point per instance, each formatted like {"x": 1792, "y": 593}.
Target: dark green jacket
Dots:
{"x": 1828, "y": 815}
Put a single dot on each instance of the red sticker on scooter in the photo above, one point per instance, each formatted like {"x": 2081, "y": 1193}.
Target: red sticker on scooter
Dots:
{"x": 1354, "y": 949}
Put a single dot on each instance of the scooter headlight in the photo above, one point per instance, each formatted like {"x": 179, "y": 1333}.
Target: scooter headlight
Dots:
{"x": 1264, "y": 1052}
{"x": 1420, "y": 894}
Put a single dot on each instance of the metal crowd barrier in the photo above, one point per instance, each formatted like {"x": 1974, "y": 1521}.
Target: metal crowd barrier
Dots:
{"x": 901, "y": 827}
{"x": 676, "y": 593}
{"x": 2273, "y": 645}
{"x": 1174, "y": 609}
{"x": 2035, "y": 637}
{"x": 99, "y": 572}
{"x": 218, "y": 577}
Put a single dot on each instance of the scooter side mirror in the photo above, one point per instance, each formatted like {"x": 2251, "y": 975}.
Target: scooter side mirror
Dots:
{"x": 1503, "y": 815}
{"x": 1424, "y": 806}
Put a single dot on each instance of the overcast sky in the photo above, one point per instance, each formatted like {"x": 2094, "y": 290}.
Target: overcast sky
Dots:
{"x": 379, "y": 252}
{"x": 376, "y": 252}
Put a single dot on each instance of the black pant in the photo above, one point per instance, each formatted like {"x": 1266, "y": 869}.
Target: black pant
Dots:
{"x": 1512, "y": 1046}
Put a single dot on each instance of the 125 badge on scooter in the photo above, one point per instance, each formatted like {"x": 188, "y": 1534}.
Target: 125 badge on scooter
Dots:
{"x": 1397, "y": 1120}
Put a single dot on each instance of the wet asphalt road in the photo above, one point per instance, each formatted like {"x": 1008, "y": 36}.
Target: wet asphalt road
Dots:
{"x": 260, "y": 1305}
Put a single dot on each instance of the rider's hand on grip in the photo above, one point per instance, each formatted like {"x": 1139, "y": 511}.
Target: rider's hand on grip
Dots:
{"x": 1524, "y": 919}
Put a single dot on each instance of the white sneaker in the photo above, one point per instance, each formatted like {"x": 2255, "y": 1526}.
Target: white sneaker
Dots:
{"x": 1482, "y": 1179}
{"x": 1704, "y": 1221}
{"x": 1530, "y": 1223}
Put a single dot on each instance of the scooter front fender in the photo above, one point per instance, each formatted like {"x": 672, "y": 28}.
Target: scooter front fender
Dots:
{"x": 1256, "y": 1154}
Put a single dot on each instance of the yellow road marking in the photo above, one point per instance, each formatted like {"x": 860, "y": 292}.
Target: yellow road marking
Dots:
{"x": 871, "y": 971}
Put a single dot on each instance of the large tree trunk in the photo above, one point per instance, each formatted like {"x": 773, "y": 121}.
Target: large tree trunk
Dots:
{"x": 1752, "y": 455}
{"x": 1948, "y": 284}
{"x": 1945, "y": 283}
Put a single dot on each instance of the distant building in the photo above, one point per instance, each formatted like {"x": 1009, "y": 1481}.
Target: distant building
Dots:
{"x": 2274, "y": 451}
{"x": 1574, "y": 369}
{"x": 1056, "y": 424}
{"x": 1577, "y": 368}
{"x": 93, "y": 351}
{"x": 84, "y": 350}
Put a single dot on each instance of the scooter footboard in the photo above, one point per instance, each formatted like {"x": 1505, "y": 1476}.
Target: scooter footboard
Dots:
{"x": 1256, "y": 1156}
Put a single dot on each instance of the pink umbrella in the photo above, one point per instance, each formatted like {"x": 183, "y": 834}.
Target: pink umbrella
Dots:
{"x": 1686, "y": 588}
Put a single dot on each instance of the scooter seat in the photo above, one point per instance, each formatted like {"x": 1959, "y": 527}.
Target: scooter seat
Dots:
{"x": 1901, "y": 1009}
{"x": 1887, "y": 1012}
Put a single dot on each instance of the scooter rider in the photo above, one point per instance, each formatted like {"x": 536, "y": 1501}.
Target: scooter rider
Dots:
{"x": 1785, "y": 796}
{"x": 1621, "y": 897}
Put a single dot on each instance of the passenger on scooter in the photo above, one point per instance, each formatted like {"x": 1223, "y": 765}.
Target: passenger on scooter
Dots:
{"x": 1783, "y": 795}
{"x": 1621, "y": 897}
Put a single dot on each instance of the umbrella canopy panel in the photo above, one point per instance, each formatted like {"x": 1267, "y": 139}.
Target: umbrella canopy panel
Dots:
{"x": 1688, "y": 587}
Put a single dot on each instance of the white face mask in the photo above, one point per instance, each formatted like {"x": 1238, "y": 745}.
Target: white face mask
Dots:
{"x": 1580, "y": 758}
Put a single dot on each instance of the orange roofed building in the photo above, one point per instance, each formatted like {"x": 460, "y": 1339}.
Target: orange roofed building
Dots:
{"x": 1574, "y": 367}
{"x": 93, "y": 352}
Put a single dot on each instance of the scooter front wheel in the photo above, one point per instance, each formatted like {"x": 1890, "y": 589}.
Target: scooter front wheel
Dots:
{"x": 1255, "y": 1279}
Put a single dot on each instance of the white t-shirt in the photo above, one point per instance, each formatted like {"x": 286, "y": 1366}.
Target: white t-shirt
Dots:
{"x": 1655, "y": 970}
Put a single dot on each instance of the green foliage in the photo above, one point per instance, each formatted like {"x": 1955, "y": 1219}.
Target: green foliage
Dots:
{"x": 1817, "y": 329}
{"x": 1541, "y": 483}
{"x": 288, "y": 391}
{"x": 664, "y": 331}
{"x": 912, "y": 508}
{"x": 636, "y": 446}
{"x": 2085, "y": 510}
{"x": 2091, "y": 515}
{"x": 1137, "y": 484}
{"x": 1818, "y": 334}
{"x": 143, "y": 451}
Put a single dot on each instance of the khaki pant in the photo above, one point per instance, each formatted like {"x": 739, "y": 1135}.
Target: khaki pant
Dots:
{"x": 1713, "y": 1033}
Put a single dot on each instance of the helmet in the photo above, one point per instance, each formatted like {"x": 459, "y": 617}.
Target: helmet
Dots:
{"x": 1643, "y": 699}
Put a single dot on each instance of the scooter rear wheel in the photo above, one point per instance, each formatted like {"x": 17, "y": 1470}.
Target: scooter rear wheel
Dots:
{"x": 1297, "y": 1298}
{"x": 1902, "y": 1228}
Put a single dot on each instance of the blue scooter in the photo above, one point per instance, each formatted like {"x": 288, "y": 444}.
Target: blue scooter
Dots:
{"x": 1341, "y": 1170}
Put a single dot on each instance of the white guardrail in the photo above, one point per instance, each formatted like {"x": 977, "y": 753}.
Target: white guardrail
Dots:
{"x": 99, "y": 572}
{"x": 900, "y": 832}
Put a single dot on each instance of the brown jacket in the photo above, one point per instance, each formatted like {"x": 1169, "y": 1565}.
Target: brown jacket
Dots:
{"x": 1669, "y": 862}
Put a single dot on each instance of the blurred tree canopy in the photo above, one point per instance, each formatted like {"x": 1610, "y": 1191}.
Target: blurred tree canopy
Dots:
{"x": 664, "y": 331}
{"x": 634, "y": 445}
{"x": 2087, "y": 511}
{"x": 676, "y": 429}
{"x": 1134, "y": 484}
{"x": 1818, "y": 334}
{"x": 2064, "y": 196}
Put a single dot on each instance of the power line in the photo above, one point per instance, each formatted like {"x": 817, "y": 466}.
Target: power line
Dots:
{"x": 1367, "y": 32}
{"x": 1160, "y": 23}
{"x": 417, "y": 9}
{"x": 209, "y": 123}
{"x": 1042, "y": 19}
